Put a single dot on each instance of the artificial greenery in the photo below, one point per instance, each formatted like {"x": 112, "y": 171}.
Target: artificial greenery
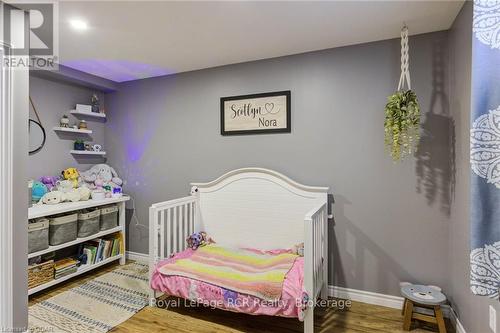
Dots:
{"x": 402, "y": 124}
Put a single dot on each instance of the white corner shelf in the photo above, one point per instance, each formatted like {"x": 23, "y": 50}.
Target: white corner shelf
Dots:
{"x": 72, "y": 130}
{"x": 80, "y": 270}
{"x": 88, "y": 114}
{"x": 75, "y": 242}
{"x": 87, "y": 152}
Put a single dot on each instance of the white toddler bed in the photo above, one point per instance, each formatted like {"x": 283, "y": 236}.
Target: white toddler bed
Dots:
{"x": 249, "y": 208}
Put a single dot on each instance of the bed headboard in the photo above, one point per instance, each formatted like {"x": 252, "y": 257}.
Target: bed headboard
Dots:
{"x": 256, "y": 207}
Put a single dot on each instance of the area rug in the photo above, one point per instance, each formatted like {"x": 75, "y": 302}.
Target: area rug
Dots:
{"x": 95, "y": 306}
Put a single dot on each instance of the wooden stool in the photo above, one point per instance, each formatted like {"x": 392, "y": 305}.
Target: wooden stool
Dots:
{"x": 425, "y": 297}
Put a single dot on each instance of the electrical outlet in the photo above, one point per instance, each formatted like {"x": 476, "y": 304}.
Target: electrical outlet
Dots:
{"x": 493, "y": 319}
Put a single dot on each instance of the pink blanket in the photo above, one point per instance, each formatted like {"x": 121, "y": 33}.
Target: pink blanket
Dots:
{"x": 206, "y": 294}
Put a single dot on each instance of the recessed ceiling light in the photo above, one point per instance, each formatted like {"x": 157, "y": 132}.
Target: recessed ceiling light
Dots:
{"x": 78, "y": 24}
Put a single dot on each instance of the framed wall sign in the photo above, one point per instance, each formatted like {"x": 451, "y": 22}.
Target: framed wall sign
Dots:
{"x": 256, "y": 114}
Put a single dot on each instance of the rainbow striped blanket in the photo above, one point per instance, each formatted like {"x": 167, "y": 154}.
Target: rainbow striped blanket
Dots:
{"x": 246, "y": 271}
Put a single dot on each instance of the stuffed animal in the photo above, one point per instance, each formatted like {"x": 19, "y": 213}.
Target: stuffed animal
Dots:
{"x": 84, "y": 193}
{"x": 71, "y": 174}
{"x": 38, "y": 190}
{"x": 73, "y": 195}
{"x": 52, "y": 198}
{"x": 298, "y": 249}
{"x": 198, "y": 239}
{"x": 64, "y": 186}
{"x": 103, "y": 174}
{"x": 49, "y": 181}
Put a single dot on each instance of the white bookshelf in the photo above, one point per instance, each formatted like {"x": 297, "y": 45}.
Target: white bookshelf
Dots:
{"x": 72, "y": 130}
{"x": 87, "y": 152}
{"x": 88, "y": 114}
{"x": 38, "y": 211}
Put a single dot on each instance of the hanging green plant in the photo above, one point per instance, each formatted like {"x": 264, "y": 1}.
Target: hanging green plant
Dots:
{"x": 402, "y": 112}
{"x": 402, "y": 124}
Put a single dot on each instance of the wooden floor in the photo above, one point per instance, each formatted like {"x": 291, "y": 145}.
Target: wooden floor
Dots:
{"x": 360, "y": 317}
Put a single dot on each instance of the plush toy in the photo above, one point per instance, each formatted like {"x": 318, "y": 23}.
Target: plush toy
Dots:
{"x": 49, "y": 181}
{"x": 298, "y": 249}
{"x": 71, "y": 174}
{"x": 84, "y": 193}
{"x": 38, "y": 190}
{"x": 52, "y": 198}
{"x": 101, "y": 175}
{"x": 64, "y": 186}
{"x": 198, "y": 239}
{"x": 73, "y": 195}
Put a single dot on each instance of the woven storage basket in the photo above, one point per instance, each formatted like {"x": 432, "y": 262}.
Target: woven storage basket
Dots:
{"x": 109, "y": 217}
{"x": 40, "y": 274}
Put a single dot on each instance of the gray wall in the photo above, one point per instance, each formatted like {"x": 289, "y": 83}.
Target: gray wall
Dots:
{"x": 472, "y": 310}
{"x": 164, "y": 133}
{"x": 52, "y": 100}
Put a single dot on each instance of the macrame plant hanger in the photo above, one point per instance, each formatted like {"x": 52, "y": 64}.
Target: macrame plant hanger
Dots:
{"x": 405, "y": 61}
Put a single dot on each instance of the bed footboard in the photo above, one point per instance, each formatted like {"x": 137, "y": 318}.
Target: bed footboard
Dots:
{"x": 170, "y": 223}
{"x": 315, "y": 259}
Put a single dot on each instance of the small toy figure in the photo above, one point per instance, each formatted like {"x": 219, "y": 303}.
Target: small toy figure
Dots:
{"x": 97, "y": 148}
{"x": 64, "y": 122}
{"x": 38, "y": 191}
{"x": 72, "y": 175}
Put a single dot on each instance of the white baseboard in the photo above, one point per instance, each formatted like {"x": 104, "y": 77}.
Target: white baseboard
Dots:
{"x": 389, "y": 301}
{"x": 141, "y": 257}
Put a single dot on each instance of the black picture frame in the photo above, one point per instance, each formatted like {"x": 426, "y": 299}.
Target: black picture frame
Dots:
{"x": 287, "y": 129}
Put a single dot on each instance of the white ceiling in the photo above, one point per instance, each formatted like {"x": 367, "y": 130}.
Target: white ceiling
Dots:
{"x": 138, "y": 39}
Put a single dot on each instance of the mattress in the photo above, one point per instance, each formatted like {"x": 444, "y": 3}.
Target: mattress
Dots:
{"x": 208, "y": 295}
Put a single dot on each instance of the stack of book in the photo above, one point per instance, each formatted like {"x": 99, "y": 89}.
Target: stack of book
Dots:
{"x": 65, "y": 267}
{"x": 100, "y": 249}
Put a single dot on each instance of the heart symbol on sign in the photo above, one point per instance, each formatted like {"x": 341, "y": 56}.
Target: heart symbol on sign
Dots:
{"x": 269, "y": 107}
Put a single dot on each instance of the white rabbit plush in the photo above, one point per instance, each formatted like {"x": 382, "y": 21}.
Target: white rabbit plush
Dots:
{"x": 103, "y": 172}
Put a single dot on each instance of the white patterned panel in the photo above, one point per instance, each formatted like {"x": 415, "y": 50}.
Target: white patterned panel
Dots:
{"x": 256, "y": 208}
{"x": 485, "y": 147}
{"x": 486, "y": 23}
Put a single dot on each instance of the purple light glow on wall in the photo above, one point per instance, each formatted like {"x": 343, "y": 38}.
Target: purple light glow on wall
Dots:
{"x": 117, "y": 70}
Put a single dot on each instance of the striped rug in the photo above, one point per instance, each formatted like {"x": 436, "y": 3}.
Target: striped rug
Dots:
{"x": 95, "y": 306}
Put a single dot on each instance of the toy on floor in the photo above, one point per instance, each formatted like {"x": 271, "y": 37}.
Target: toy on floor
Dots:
{"x": 49, "y": 181}
{"x": 38, "y": 190}
{"x": 72, "y": 175}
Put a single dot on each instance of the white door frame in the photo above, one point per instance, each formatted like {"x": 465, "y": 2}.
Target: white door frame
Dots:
{"x": 6, "y": 207}
{"x": 14, "y": 110}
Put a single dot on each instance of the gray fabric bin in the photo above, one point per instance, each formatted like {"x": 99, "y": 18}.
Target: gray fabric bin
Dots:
{"x": 38, "y": 235}
{"x": 88, "y": 223}
{"x": 62, "y": 229}
{"x": 109, "y": 217}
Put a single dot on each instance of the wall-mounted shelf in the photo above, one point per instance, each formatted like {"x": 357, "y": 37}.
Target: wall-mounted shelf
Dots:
{"x": 72, "y": 130}
{"x": 87, "y": 152}
{"x": 88, "y": 114}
